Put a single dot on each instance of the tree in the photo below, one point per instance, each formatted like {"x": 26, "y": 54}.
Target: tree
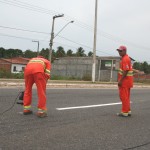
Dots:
{"x": 11, "y": 53}
{"x": 137, "y": 66}
{"x": 145, "y": 67}
{"x": 142, "y": 66}
{"x": 80, "y": 52}
{"x": 18, "y": 52}
{"x": 60, "y": 52}
{"x": 69, "y": 52}
{"x": 90, "y": 54}
{"x": 53, "y": 54}
{"x": 2, "y": 52}
{"x": 30, "y": 54}
{"x": 45, "y": 53}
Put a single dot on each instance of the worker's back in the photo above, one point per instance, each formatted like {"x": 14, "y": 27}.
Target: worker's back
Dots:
{"x": 35, "y": 65}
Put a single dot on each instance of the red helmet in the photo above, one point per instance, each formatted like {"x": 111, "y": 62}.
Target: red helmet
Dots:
{"x": 122, "y": 48}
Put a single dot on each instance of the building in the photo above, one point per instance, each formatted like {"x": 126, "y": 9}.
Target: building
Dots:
{"x": 71, "y": 67}
{"x": 13, "y": 65}
{"x": 81, "y": 68}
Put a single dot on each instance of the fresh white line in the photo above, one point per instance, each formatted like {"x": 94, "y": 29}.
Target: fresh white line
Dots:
{"x": 79, "y": 107}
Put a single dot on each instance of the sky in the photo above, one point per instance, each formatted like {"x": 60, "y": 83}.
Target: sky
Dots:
{"x": 119, "y": 22}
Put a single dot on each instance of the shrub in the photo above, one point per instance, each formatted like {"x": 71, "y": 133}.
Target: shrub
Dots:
{"x": 7, "y": 74}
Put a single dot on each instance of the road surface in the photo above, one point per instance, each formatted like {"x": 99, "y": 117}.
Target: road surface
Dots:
{"x": 78, "y": 119}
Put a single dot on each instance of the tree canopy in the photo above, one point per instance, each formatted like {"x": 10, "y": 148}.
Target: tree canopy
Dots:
{"x": 60, "y": 52}
{"x": 142, "y": 67}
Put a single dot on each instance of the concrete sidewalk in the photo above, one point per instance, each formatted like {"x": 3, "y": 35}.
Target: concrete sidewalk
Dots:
{"x": 68, "y": 84}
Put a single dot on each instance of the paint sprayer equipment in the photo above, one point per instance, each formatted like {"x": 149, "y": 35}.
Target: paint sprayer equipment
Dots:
{"x": 20, "y": 100}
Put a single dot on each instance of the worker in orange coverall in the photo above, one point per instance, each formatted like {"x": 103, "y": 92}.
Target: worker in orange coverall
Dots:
{"x": 125, "y": 81}
{"x": 37, "y": 71}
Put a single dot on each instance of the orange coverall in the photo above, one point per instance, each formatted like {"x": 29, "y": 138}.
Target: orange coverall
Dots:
{"x": 37, "y": 71}
{"x": 127, "y": 83}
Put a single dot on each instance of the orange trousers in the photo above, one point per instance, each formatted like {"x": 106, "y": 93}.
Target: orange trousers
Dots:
{"x": 40, "y": 80}
{"x": 124, "y": 94}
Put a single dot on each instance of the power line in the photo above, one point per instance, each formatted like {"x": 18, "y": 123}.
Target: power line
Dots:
{"x": 18, "y": 37}
{"x": 45, "y": 33}
{"x": 84, "y": 49}
{"x": 43, "y": 10}
{"x": 38, "y": 9}
{"x": 24, "y": 38}
{"x": 29, "y": 7}
{"x": 83, "y": 45}
{"x": 78, "y": 23}
{"x": 117, "y": 39}
{"x": 24, "y": 30}
{"x": 104, "y": 35}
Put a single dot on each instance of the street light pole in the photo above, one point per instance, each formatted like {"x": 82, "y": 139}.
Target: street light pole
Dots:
{"x": 52, "y": 36}
{"x": 94, "y": 44}
{"x": 37, "y": 47}
{"x": 64, "y": 27}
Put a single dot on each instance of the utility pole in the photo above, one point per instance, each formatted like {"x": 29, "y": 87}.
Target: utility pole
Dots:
{"x": 52, "y": 36}
{"x": 94, "y": 44}
{"x": 37, "y": 47}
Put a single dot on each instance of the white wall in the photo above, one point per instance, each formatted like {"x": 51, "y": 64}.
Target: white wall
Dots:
{"x": 19, "y": 68}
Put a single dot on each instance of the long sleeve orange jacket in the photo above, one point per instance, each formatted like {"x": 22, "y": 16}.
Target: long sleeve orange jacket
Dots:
{"x": 38, "y": 64}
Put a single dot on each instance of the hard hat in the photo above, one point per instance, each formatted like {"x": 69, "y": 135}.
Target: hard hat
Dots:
{"x": 122, "y": 48}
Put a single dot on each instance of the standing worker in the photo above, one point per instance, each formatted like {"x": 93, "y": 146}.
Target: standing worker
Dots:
{"x": 37, "y": 71}
{"x": 125, "y": 81}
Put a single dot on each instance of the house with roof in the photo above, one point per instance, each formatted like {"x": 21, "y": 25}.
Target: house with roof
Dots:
{"x": 13, "y": 65}
{"x": 74, "y": 67}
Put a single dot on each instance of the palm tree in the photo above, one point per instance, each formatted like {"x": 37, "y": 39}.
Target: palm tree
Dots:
{"x": 69, "y": 52}
{"x": 80, "y": 52}
{"x": 60, "y": 52}
{"x": 90, "y": 54}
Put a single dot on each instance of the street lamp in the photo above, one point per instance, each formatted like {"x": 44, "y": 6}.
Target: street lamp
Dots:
{"x": 94, "y": 44}
{"x": 64, "y": 27}
{"x": 37, "y": 47}
{"x": 52, "y": 35}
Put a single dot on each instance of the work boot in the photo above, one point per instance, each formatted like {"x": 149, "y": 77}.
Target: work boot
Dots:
{"x": 129, "y": 113}
{"x": 27, "y": 112}
{"x": 41, "y": 114}
{"x": 122, "y": 114}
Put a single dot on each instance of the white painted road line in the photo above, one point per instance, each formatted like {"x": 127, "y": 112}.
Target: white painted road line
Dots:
{"x": 80, "y": 107}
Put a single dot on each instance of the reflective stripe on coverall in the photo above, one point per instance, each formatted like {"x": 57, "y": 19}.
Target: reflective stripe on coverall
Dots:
{"x": 37, "y": 71}
{"x": 127, "y": 83}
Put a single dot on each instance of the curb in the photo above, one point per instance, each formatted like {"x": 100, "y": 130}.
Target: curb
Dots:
{"x": 70, "y": 85}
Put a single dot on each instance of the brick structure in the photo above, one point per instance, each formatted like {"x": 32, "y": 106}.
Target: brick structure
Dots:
{"x": 13, "y": 65}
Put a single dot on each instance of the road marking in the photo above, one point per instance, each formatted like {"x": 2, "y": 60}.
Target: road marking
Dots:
{"x": 20, "y": 113}
{"x": 89, "y": 106}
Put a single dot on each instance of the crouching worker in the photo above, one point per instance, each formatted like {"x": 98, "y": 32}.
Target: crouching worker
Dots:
{"x": 37, "y": 71}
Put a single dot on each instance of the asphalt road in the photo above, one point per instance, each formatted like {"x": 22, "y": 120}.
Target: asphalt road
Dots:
{"x": 78, "y": 119}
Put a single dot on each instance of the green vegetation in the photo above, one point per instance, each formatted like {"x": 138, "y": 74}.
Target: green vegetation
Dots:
{"x": 59, "y": 52}
{"x": 8, "y": 75}
{"x": 142, "y": 67}
{"x": 5, "y": 74}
